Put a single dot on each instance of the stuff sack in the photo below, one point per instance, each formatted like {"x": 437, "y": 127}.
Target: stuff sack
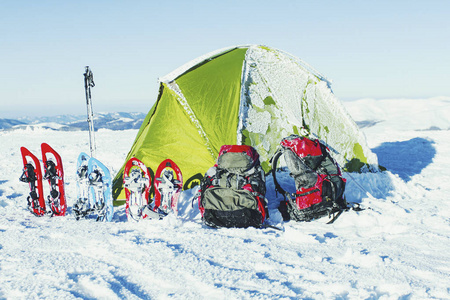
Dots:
{"x": 318, "y": 180}
{"x": 232, "y": 191}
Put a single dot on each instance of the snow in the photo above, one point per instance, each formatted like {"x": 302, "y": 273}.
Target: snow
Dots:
{"x": 405, "y": 114}
{"x": 398, "y": 247}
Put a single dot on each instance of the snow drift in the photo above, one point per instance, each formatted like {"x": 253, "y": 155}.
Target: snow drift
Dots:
{"x": 397, "y": 248}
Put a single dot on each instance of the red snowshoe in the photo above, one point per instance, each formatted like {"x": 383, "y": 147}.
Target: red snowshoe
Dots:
{"x": 33, "y": 176}
{"x": 54, "y": 173}
{"x": 137, "y": 183}
{"x": 168, "y": 186}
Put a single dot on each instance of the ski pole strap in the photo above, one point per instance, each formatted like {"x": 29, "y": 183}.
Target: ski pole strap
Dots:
{"x": 88, "y": 78}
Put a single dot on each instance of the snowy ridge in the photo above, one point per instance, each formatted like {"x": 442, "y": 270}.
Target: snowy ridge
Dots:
{"x": 404, "y": 114}
{"x": 9, "y": 123}
{"x": 112, "y": 121}
{"x": 395, "y": 249}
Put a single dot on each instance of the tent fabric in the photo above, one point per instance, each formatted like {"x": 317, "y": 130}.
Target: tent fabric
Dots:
{"x": 246, "y": 95}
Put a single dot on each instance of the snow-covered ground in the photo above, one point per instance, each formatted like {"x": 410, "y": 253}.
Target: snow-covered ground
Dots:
{"x": 399, "y": 247}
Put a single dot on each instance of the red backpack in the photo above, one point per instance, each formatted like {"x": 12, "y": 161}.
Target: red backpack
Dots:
{"x": 318, "y": 180}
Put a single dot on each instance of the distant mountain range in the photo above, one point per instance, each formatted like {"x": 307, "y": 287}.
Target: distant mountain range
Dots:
{"x": 112, "y": 121}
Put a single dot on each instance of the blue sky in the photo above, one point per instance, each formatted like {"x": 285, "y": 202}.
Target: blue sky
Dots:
{"x": 369, "y": 49}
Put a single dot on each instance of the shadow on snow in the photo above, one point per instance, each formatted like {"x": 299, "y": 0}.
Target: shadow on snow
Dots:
{"x": 407, "y": 158}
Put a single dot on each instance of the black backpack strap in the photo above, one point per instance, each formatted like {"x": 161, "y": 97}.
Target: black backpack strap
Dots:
{"x": 335, "y": 215}
{"x": 354, "y": 206}
{"x": 205, "y": 183}
{"x": 274, "y": 161}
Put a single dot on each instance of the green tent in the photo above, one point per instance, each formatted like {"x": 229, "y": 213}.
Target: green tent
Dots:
{"x": 252, "y": 95}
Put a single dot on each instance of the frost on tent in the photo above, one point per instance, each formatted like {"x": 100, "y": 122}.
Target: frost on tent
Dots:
{"x": 328, "y": 119}
{"x": 280, "y": 94}
{"x": 272, "y": 93}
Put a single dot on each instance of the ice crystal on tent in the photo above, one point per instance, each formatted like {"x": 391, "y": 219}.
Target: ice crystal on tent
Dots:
{"x": 291, "y": 95}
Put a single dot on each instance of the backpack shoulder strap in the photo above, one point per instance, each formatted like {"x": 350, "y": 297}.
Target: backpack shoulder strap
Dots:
{"x": 274, "y": 162}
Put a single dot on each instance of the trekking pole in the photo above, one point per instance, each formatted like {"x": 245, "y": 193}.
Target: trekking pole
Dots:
{"x": 88, "y": 83}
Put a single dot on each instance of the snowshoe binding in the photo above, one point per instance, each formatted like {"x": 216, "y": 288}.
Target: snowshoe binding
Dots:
{"x": 137, "y": 183}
